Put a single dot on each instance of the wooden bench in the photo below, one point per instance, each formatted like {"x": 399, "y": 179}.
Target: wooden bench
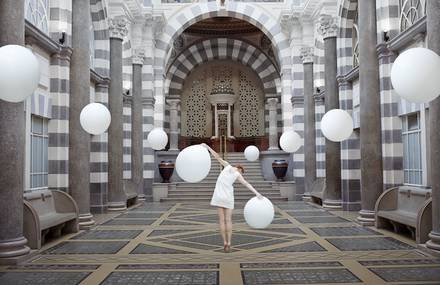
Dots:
{"x": 406, "y": 207}
{"x": 317, "y": 193}
{"x": 48, "y": 213}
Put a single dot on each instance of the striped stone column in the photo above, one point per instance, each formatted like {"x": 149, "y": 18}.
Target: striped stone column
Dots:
{"x": 118, "y": 28}
{"x": 137, "y": 165}
{"x": 79, "y": 140}
{"x": 370, "y": 116}
{"x": 272, "y": 104}
{"x": 433, "y": 18}
{"x": 12, "y": 138}
{"x": 174, "y": 117}
{"x": 332, "y": 195}
{"x": 309, "y": 122}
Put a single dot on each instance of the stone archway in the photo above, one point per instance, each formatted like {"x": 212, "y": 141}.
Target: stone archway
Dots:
{"x": 250, "y": 13}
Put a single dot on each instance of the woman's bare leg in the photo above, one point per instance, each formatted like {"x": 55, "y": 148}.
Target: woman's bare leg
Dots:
{"x": 222, "y": 223}
{"x": 228, "y": 219}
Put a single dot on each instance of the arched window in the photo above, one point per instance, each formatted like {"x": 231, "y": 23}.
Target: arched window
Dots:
{"x": 92, "y": 44}
{"x": 37, "y": 13}
{"x": 410, "y": 12}
{"x": 355, "y": 39}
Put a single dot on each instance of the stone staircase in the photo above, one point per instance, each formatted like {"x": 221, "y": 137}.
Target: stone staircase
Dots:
{"x": 202, "y": 191}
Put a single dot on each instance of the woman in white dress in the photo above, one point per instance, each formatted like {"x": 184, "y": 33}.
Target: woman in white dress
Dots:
{"x": 223, "y": 196}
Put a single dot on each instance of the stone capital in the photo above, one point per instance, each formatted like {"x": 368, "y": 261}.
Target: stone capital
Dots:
{"x": 118, "y": 27}
{"x": 307, "y": 54}
{"x": 173, "y": 103}
{"x": 272, "y": 102}
{"x": 327, "y": 26}
{"x": 138, "y": 56}
{"x": 297, "y": 100}
{"x": 159, "y": 23}
{"x": 148, "y": 101}
{"x": 319, "y": 97}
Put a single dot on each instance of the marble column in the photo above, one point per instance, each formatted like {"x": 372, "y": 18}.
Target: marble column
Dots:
{"x": 370, "y": 117}
{"x": 116, "y": 196}
{"x": 433, "y": 28}
{"x": 174, "y": 121}
{"x": 137, "y": 164}
{"x": 309, "y": 121}
{"x": 12, "y": 129}
{"x": 79, "y": 140}
{"x": 273, "y": 130}
{"x": 332, "y": 195}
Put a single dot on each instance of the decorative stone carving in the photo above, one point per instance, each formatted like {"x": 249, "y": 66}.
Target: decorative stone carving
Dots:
{"x": 307, "y": 54}
{"x": 118, "y": 27}
{"x": 327, "y": 26}
{"x": 250, "y": 108}
{"x": 159, "y": 23}
{"x": 179, "y": 43}
{"x": 265, "y": 43}
{"x": 138, "y": 56}
{"x": 272, "y": 103}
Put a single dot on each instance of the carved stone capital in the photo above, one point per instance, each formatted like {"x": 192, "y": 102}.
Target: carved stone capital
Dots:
{"x": 307, "y": 54}
{"x": 138, "y": 56}
{"x": 272, "y": 102}
{"x": 159, "y": 23}
{"x": 173, "y": 103}
{"x": 327, "y": 26}
{"x": 297, "y": 100}
{"x": 118, "y": 27}
{"x": 149, "y": 20}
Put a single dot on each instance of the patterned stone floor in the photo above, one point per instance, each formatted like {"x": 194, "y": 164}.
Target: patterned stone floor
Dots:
{"x": 179, "y": 244}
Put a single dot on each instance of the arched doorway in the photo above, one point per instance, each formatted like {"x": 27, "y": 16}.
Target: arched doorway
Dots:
{"x": 222, "y": 104}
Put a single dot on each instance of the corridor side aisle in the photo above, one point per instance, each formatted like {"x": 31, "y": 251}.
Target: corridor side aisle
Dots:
{"x": 180, "y": 244}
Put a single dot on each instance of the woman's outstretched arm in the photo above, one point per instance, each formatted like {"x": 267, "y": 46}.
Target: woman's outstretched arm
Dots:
{"x": 249, "y": 186}
{"x": 216, "y": 155}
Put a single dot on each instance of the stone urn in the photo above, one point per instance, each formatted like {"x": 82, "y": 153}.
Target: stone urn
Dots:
{"x": 166, "y": 169}
{"x": 279, "y": 167}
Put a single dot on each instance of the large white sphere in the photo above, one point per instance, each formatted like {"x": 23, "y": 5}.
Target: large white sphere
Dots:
{"x": 95, "y": 118}
{"x": 193, "y": 163}
{"x": 415, "y": 75}
{"x": 251, "y": 153}
{"x": 337, "y": 125}
{"x": 258, "y": 213}
{"x": 19, "y": 73}
{"x": 290, "y": 141}
{"x": 158, "y": 139}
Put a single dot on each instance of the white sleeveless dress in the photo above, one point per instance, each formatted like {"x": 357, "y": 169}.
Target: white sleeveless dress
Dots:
{"x": 224, "y": 191}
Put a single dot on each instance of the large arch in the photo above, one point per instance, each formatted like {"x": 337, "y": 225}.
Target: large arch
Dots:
{"x": 222, "y": 48}
{"x": 247, "y": 12}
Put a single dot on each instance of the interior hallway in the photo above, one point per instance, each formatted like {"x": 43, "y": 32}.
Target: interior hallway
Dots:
{"x": 180, "y": 244}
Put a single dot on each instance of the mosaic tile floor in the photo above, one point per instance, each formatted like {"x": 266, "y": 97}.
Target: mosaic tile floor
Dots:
{"x": 179, "y": 244}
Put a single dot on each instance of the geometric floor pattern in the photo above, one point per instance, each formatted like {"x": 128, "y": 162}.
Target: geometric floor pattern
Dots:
{"x": 179, "y": 244}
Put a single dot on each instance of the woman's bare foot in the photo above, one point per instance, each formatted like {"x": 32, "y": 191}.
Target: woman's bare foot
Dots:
{"x": 228, "y": 248}
{"x": 225, "y": 248}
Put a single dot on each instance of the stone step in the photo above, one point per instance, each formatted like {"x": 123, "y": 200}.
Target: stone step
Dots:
{"x": 206, "y": 194}
{"x": 236, "y": 195}
{"x": 209, "y": 185}
{"x": 208, "y": 199}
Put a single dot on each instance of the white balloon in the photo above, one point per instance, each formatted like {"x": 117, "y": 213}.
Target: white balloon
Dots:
{"x": 193, "y": 163}
{"x": 290, "y": 141}
{"x": 259, "y": 213}
{"x": 415, "y": 75}
{"x": 95, "y": 118}
{"x": 19, "y": 73}
{"x": 337, "y": 125}
{"x": 251, "y": 153}
{"x": 158, "y": 139}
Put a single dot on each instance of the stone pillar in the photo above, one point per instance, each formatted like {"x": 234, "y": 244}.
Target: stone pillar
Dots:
{"x": 273, "y": 130}
{"x": 12, "y": 129}
{"x": 116, "y": 196}
{"x": 137, "y": 165}
{"x": 332, "y": 195}
{"x": 433, "y": 27}
{"x": 174, "y": 121}
{"x": 309, "y": 121}
{"x": 370, "y": 117}
{"x": 79, "y": 140}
